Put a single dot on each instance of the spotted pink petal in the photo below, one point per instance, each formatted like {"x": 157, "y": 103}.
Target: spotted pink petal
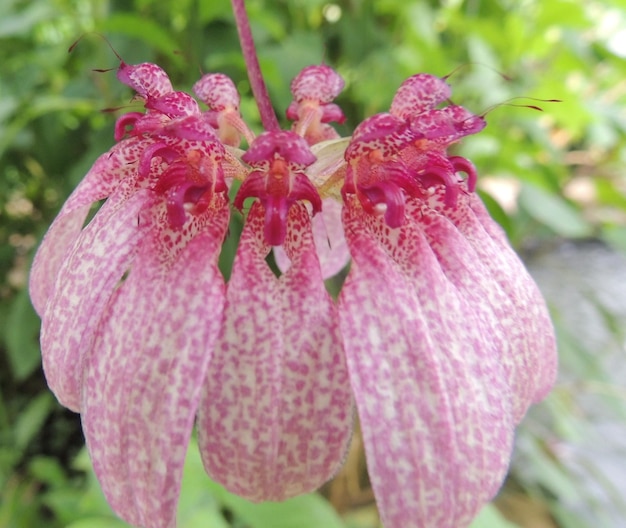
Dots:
{"x": 144, "y": 373}
{"x": 147, "y": 79}
{"x": 276, "y": 411}
{"x": 318, "y": 83}
{"x": 506, "y": 311}
{"x": 529, "y": 321}
{"x": 85, "y": 282}
{"x": 174, "y": 104}
{"x": 432, "y": 396}
{"x": 101, "y": 180}
{"x": 446, "y": 125}
{"x": 329, "y": 238}
{"x": 419, "y": 93}
{"x": 217, "y": 91}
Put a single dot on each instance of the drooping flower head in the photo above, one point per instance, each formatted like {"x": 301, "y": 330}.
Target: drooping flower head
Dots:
{"x": 439, "y": 337}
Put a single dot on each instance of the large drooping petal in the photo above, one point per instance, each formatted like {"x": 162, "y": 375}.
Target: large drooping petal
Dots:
{"x": 276, "y": 412}
{"x": 101, "y": 180}
{"x": 144, "y": 373}
{"x": 84, "y": 283}
{"x": 528, "y": 321}
{"x": 330, "y": 241}
{"x": 476, "y": 278}
{"x": 432, "y": 396}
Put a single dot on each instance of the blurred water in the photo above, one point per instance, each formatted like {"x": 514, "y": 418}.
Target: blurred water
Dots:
{"x": 585, "y": 286}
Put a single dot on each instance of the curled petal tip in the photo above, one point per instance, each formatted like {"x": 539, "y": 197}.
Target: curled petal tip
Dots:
{"x": 217, "y": 91}
{"x": 147, "y": 79}
{"x": 174, "y": 104}
{"x": 319, "y": 83}
{"x": 419, "y": 93}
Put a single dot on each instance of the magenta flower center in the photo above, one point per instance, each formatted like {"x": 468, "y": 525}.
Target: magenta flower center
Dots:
{"x": 278, "y": 180}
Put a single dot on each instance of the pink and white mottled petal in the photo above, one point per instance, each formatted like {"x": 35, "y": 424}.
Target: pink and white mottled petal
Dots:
{"x": 101, "y": 180}
{"x": 330, "y": 241}
{"x": 276, "y": 411}
{"x": 217, "y": 91}
{"x": 532, "y": 319}
{"x": 85, "y": 282}
{"x": 432, "y": 397}
{"x": 147, "y": 79}
{"x": 473, "y": 277}
{"x": 419, "y": 93}
{"x": 143, "y": 380}
{"x": 318, "y": 83}
{"x": 174, "y": 105}
{"x": 54, "y": 247}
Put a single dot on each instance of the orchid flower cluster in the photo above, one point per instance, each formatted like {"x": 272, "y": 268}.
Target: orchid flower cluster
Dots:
{"x": 439, "y": 337}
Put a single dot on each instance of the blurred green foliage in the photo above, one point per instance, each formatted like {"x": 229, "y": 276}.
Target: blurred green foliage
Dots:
{"x": 546, "y": 177}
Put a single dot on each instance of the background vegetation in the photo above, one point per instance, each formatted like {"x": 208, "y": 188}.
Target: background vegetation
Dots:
{"x": 554, "y": 180}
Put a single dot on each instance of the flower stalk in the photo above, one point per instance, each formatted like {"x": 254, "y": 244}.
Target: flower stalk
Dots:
{"x": 257, "y": 82}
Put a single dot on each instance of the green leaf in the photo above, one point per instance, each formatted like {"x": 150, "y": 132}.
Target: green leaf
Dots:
{"x": 490, "y": 517}
{"x": 305, "y": 511}
{"x": 22, "y": 337}
{"x": 99, "y": 522}
{"x": 14, "y": 24}
{"x": 198, "y": 508}
{"x": 32, "y": 418}
{"x": 48, "y": 470}
{"x": 144, "y": 29}
{"x": 554, "y": 212}
{"x": 616, "y": 236}
{"x": 496, "y": 211}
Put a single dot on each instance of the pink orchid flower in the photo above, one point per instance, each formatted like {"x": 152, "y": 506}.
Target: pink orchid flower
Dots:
{"x": 439, "y": 337}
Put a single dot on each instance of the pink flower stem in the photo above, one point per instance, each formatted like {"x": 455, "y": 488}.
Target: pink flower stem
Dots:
{"x": 268, "y": 117}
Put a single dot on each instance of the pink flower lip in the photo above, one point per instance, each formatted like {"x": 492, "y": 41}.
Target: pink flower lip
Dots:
{"x": 283, "y": 145}
{"x": 147, "y": 79}
{"x": 278, "y": 160}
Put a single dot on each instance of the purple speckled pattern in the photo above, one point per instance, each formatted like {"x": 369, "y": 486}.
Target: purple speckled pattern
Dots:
{"x": 510, "y": 303}
{"x": 419, "y": 93}
{"x": 432, "y": 395}
{"x": 439, "y": 339}
{"x": 103, "y": 177}
{"x": 317, "y": 83}
{"x": 145, "y": 370}
{"x": 217, "y": 91}
{"x": 85, "y": 281}
{"x": 276, "y": 411}
{"x": 313, "y": 90}
{"x": 147, "y": 79}
{"x": 330, "y": 242}
{"x": 533, "y": 324}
